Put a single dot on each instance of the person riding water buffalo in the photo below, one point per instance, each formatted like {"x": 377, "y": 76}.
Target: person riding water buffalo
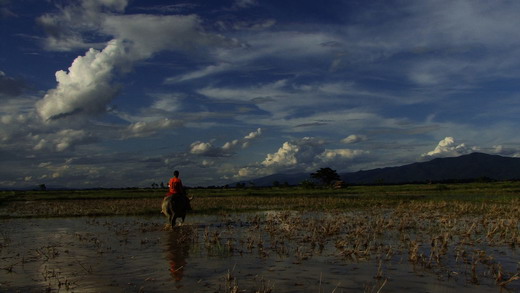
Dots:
{"x": 176, "y": 190}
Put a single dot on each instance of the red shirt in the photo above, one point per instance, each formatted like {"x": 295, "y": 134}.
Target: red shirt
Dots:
{"x": 175, "y": 186}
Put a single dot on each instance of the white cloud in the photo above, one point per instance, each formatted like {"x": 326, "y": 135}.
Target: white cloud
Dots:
{"x": 354, "y": 138}
{"x": 269, "y": 90}
{"x": 505, "y": 151}
{"x": 203, "y": 148}
{"x": 150, "y": 34}
{"x": 166, "y": 102}
{"x": 86, "y": 88}
{"x": 62, "y": 140}
{"x": 65, "y": 28}
{"x": 448, "y": 148}
{"x": 334, "y": 155}
{"x": 227, "y": 149}
{"x": 281, "y": 45}
{"x": 280, "y": 98}
{"x": 447, "y": 39}
{"x": 299, "y": 152}
{"x": 253, "y": 134}
{"x": 14, "y": 122}
{"x": 301, "y": 155}
{"x": 143, "y": 129}
{"x": 451, "y": 44}
{"x": 209, "y": 70}
{"x": 243, "y": 143}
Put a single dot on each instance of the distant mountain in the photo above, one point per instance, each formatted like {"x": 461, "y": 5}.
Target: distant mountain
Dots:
{"x": 291, "y": 179}
{"x": 467, "y": 167}
{"x": 462, "y": 168}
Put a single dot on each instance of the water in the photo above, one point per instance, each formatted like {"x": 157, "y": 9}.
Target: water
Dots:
{"x": 207, "y": 254}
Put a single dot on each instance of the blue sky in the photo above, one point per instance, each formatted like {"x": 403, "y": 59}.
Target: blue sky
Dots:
{"x": 117, "y": 93}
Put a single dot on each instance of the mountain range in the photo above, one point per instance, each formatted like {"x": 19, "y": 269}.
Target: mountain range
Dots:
{"x": 469, "y": 167}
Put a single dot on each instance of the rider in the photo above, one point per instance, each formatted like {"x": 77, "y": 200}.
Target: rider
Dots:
{"x": 176, "y": 189}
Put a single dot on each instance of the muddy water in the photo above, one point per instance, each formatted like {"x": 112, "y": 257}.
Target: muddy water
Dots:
{"x": 209, "y": 254}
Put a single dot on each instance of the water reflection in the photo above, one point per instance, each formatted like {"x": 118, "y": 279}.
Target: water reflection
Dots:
{"x": 216, "y": 254}
{"x": 177, "y": 251}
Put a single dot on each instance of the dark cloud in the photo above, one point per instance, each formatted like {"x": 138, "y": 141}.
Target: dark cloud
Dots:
{"x": 11, "y": 87}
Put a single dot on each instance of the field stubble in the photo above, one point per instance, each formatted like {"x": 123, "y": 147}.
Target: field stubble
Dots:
{"x": 467, "y": 237}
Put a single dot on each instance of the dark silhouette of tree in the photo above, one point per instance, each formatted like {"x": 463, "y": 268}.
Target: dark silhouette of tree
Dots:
{"x": 307, "y": 184}
{"x": 326, "y": 175}
{"x": 42, "y": 187}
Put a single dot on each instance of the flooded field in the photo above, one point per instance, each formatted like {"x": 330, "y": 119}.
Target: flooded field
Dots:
{"x": 283, "y": 251}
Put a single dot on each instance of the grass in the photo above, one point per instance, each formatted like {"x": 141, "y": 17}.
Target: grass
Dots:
{"x": 475, "y": 196}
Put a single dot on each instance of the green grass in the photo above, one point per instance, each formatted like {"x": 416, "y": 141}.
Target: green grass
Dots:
{"x": 147, "y": 201}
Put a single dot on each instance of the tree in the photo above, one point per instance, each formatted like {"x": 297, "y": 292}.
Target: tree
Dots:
{"x": 307, "y": 184}
{"x": 326, "y": 175}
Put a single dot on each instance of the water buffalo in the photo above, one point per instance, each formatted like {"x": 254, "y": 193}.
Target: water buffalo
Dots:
{"x": 176, "y": 207}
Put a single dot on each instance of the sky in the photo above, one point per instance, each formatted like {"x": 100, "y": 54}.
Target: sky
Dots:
{"x": 119, "y": 93}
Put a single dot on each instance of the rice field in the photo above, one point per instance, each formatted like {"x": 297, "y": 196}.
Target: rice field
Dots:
{"x": 418, "y": 238}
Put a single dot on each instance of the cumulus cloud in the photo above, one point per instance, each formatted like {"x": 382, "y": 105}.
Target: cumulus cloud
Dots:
{"x": 505, "y": 151}
{"x": 203, "y": 148}
{"x": 295, "y": 153}
{"x": 17, "y": 121}
{"x": 335, "y": 155}
{"x": 354, "y": 138}
{"x": 62, "y": 140}
{"x": 87, "y": 87}
{"x": 299, "y": 155}
{"x": 448, "y": 148}
{"x": 85, "y": 90}
{"x": 244, "y": 142}
{"x": 227, "y": 149}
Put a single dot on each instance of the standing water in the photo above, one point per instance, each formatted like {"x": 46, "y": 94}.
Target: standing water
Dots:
{"x": 260, "y": 252}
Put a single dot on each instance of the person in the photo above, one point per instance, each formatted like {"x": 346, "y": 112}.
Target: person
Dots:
{"x": 175, "y": 189}
{"x": 175, "y": 184}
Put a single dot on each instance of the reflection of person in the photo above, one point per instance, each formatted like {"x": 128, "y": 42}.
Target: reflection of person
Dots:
{"x": 178, "y": 249}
